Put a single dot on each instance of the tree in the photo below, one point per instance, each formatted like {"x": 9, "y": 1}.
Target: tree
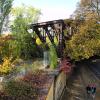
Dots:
{"x": 5, "y": 8}
{"x": 88, "y": 9}
{"x": 29, "y": 14}
{"x": 86, "y": 43}
{"x": 23, "y": 45}
{"x": 53, "y": 57}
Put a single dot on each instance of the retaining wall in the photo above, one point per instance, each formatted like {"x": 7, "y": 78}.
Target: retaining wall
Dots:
{"x": 57, "y": 87}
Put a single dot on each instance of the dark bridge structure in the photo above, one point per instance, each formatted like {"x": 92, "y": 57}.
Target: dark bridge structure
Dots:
{"x": 51, "y": 29}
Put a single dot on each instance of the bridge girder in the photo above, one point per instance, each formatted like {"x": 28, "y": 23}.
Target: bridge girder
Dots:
{"x": 51, "y": 29}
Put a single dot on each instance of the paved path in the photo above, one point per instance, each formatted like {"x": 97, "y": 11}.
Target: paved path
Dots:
{"x": 76, "y": 85}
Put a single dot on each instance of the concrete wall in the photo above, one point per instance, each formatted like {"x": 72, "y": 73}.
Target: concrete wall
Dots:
{"x": 50, "y": 94}
{"x": 57, "y": 87}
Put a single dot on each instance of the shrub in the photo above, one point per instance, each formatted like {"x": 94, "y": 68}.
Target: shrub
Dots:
{"x": 20, "y": 90}
{"x": 6, "y": 67}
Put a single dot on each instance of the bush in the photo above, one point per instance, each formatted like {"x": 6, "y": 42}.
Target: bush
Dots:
{"x": 6, "y": 67}
{"x": 20, "y": 90}
{"x": 5, "y": 50}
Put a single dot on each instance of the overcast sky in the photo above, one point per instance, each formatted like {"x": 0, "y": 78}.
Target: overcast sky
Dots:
{"x": 51, "y": 9}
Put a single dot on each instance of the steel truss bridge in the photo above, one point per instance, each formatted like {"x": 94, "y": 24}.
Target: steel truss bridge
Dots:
{"x": 52, "y": 29}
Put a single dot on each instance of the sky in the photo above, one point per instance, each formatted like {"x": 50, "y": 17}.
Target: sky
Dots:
{"x": 51, "y": 9}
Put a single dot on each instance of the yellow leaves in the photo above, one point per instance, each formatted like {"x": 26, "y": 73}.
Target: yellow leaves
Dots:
{"x": 48, "y": 40}
{"x": 86, "y": 43}
{"x": 5, "y": 68}
{"x": 55, "y": 41}
{"x": 38, "y": 41}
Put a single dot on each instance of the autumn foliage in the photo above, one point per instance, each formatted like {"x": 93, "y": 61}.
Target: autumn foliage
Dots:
{"x": 65, "y": 66}
{"x": 86, "y": 42}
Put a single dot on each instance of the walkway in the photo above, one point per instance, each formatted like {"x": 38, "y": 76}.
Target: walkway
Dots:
{"x": 77, "y": 83}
